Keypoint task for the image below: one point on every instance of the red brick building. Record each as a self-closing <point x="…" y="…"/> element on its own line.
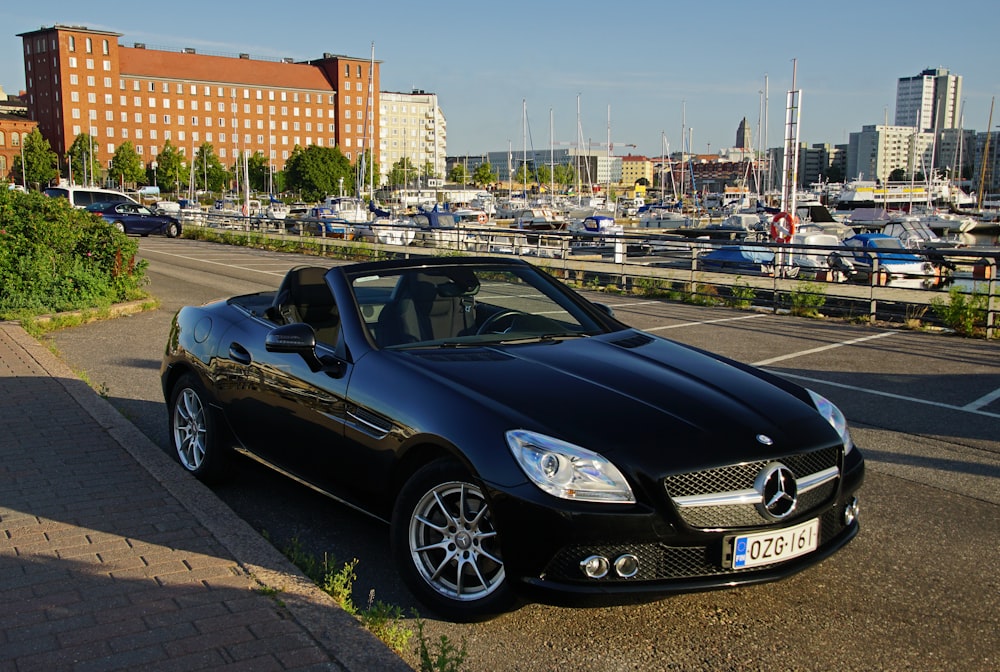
<point x="14" y="128"/>
<point x="83" y="81"/>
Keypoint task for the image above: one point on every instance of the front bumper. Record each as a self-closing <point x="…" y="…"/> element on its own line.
<point x="661" y="554"/>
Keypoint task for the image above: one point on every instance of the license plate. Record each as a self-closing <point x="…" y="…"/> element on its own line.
<point x="765" y="548"/>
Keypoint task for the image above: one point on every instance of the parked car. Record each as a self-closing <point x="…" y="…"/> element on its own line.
<point x="513" y="434"/>
<point x="84" y="197"/>
<point x="138" y="219"/>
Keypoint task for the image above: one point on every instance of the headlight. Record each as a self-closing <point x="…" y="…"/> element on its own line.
<point x="833" y="415"/>
<point x="568" y="471"/>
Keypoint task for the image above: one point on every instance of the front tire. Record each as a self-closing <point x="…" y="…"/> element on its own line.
<point x="446" y="546"/>
<point x="193" y="433"/>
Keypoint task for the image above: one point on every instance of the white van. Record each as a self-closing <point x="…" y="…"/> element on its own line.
<point x="81" y="197"/>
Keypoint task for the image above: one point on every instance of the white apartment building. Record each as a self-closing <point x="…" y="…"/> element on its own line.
<point x="878" y="150"/>
<point x="930" y="101"/>
<point x="412" y="126"/>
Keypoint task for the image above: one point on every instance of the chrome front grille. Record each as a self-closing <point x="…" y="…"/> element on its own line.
<point x="726" y="497"/>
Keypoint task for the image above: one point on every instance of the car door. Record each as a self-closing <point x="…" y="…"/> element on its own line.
<point x="284" y="412"/>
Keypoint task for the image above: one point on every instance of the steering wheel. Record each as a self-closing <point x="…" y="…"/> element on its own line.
<point x="496" y="317"/>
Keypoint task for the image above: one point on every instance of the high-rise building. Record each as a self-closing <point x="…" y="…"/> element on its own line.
<point x="81" y="80"/>
<point x="743" y="135"/>
<point x="413" y="127"/>
<point x="930" y="101"/>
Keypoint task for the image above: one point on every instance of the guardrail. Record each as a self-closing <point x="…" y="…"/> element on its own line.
<point x="893" y="285"/>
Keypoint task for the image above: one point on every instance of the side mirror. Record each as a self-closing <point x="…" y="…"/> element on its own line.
<point x="605" y="308"/>
<point x="300" y="338"/>
<point x="297" y="337"/>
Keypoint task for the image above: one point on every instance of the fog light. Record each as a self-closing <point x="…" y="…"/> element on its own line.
<point x="627" y="566"/>
<point x="851" y="511"/>
<point x="596" y="566"/>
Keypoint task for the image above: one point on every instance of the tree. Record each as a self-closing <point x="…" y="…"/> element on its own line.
<point x="565" y="175"/>
<point x="457" y="174"/>
<point x="170" y="169"/>
<point x="834" y="174"/>
<point x="402" y="172"/>
<point x="427" y="170"/>
<point x="84" y="165"/>
<point x="898" y="175"/>
<point x="208" y="170"/>
<point x="524" y="174"/>
<point x="40" y="163"/>
<point x="483" y="175"/>
<point x="259" y="169"/>
<point x="368" y="172"/>
<point x="544" y="174"/>
<point x="318" y="171"/>
<point x="125" y="165"/>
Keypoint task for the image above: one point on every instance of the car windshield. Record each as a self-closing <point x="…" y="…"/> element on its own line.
<point x="463" y="305"/>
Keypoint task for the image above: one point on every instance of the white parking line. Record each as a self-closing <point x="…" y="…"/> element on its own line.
<point x="890" y="395"/>
<point x="831" y="346"/>
<point x="206" y="260"/>
<point x="695" y="324"/>
<point x="982" y="401"/>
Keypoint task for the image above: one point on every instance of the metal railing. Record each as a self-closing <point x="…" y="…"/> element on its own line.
<point x="889" y="285"/>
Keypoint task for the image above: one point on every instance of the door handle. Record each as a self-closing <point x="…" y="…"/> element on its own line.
<point x="239" y="354"/>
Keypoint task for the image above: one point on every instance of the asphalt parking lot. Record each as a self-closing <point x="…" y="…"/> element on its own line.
<point x="916" y="590"/>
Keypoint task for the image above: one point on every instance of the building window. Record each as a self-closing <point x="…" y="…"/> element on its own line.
<point x="72" y="61"/>
<point x="138" y="117"/>
<point x="90" y="46"/>
<point x="347" y="69"/>
<point x="108" y="100"/>
<point x="74" y="96"/>
<point x="105" y="48"/>
<point x="107" y="65"/>
<point x="107" y="82"/>
<point x="72" y="43"/>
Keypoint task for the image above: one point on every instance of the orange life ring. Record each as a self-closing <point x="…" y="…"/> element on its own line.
<point x="481" y="218"/>
<point x="783" y="227"/>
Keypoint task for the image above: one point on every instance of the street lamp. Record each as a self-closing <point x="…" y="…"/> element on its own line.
<point x="153" y="166"/>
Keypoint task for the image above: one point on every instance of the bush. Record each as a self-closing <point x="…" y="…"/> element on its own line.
<point x="56" y="258"/>
<point x="807" y="299"/>
<point x="965" y="313"/>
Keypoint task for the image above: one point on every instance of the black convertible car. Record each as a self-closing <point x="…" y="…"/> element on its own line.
<point x="513" y="434"/>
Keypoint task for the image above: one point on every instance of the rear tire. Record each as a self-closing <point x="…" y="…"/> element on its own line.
<point x="192" y="430"/>
<point x="445" y="544"/>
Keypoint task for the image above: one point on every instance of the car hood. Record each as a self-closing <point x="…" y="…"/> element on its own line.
<point x="635" y="396"/>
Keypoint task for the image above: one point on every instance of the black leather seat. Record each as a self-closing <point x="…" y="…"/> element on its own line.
<point x="428" y="307"/>
<point x="304" y="296"/>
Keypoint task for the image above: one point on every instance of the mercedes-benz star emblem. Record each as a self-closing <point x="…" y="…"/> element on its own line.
<point x="778" y="491"/>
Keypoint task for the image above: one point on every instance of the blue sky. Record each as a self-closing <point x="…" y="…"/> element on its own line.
<point x="646" y="62"/>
